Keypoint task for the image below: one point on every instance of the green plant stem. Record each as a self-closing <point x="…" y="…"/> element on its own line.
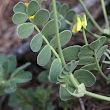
<point x="90" y="33"/>
<point x="91" y="18"/>
<point x="57" y="33"/>
<point x="98" y="96"/>
<point x="73" y="80"/>
<point x="84" y="35"/>
<point x="53" y="50"/>
<point x="98" y="67"/>
<point x="105" y="14"/>
<point x="24" y="96"/>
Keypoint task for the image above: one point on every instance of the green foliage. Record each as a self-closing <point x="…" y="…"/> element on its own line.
<point x="43" y="76"/>
<point x="19" y="18"/>
<point x="32" y="7"/>
<point x="86" y="60"/>
<point x="49" y="28"/>
<point x="64" y="95"/>
<point x="84" y="76"/>
<point x="20" y="102"/>
<point x="36" y="42"/>
<point x="10" y="75"/>
<point x="71" y="53"/>
<point x="44" y="56"/>
<point x="65" y="36"/>
<point x="69" y="15"/>
<point x="55" y="70"/>
<point x="64" y="7"/>
<point x="94" y="44"/>
<point x="25" y="30"/>
<point x="41" y="17"/>
<point x="89" y="67"/>
<point x="19" y="7"/>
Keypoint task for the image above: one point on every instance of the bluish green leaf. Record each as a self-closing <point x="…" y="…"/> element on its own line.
<point x="71" y="53"/>
<point x="85" y="76"/>
<point x="64" y="95"/>
<point x="86" y="51"/>
<point x="3" y="59"/>
<point x="43" y="76"/>
<point x="44" y="56"/>
<point x="101" y="51"/>
<point x="89" y="67"/>
<point x="19" y="69"/>
<point x="63" y="8"/>
<point x="102" y="41"/>
<point x="71" y="66"/>
<point x="65" y="36"/>
<point x="19" y="7"/>
<point x="49" y="28"/>
<point x="22" y="77"/>
<point x="10" y="87"/>
<point x="55" y="70"/>
<point x="69" y="15"/>
<point x="12" y="64"/>
<point x="86" y="60"/>
<point x="19" y="18"/>
<point x="63" y="23"/>
<point x="89" y="24"/>
<point x="41" y="17"/>
<point x="25" y="30"/>
<point x="36" y="42"/>
<point x="94" y="45"/>
<point x="32" y="7"/>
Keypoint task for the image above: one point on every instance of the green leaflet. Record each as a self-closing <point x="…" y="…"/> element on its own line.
<point x="36" y="42"/>
<point x="65" y="36"/>
<point x="19" y="7"/>
<point x="63" y="8"/>
<point x="19" y="18"/>
<point x="41" y="17"/>
<point x="49" y="28"/>
<point x="85" y="76"/>
<point x="25" y="30"/>
<point x="44" y="56"/>
<point x="55" y="70"/>
<point x="71" y="53"/>
<point x="32" y="7"/>
<point x="69" y="15"/>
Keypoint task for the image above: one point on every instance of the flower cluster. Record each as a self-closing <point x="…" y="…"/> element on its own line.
<point x="80" y="21"/>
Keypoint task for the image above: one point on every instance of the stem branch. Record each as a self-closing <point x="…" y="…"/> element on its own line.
<point x="98" y="96"/>
<point x="105" y="13"/>
<point x="84" y="35"/>
<point x="98" y="67"/>
<point x="53" y="50"/>
<point x="57" y="33"/>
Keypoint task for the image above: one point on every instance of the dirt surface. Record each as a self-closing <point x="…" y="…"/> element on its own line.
<point x="10" y="42"/>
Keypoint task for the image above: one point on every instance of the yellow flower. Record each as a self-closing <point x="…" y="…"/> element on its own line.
<point x="80" y="21"/>
<point x="30" y="16"/>
<point x="26" y="4"/>
<point x="77" y="27"/>
<point x="83" y="20"/>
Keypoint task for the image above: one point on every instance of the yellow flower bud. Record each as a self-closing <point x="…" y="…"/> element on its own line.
<point x="26" y="4"/>
<point x="83" y="20"/>
<point x="32" y="17"/>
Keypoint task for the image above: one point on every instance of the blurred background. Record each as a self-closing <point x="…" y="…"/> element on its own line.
<point x="11" y="44"/>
